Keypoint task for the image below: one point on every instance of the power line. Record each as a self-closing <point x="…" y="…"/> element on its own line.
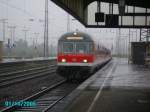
<point x="4" y="25"/>
<point x="68" y="23"/>
<point x="17" y="8"/>
<point x="46" y="30"/>
<point x="12" y="33"/>
<point x="36" y="38"/>
<point x="25" y="34"/>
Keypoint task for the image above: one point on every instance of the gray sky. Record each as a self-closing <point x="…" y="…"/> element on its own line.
<point x="19" y="12"/>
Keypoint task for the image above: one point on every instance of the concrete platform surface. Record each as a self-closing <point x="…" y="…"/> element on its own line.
<point x="118" y="87"/>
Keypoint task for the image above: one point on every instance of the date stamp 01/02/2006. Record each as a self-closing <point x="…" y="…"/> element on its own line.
<point x="20" y="103"/>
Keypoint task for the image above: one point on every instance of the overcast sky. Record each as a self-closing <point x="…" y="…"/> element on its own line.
<point x="20" y="12"/>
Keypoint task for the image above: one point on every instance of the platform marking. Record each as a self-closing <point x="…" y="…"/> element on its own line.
<point x="101" y="88"/>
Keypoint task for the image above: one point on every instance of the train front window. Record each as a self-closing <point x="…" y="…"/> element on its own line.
<point x="81" y="48"/>
<point x="91" y="48"/>
<point x="68" y="47"/>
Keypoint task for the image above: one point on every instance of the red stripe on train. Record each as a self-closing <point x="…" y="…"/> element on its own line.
<point x="76" y="57"/>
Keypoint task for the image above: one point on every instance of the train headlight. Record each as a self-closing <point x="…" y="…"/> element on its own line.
<point x="63" y="60"/>
<point x="85" y="61"/>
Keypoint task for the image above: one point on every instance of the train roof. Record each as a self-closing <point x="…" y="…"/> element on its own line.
<point x="76" y="36"/>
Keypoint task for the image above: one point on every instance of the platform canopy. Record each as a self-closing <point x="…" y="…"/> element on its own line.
<point x="109" y="13"/>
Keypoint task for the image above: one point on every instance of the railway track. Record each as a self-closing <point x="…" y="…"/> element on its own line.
<point x="45" y="99"/>
<point x="17" y="66"/>
<point x="21" y="67"/>
<point x="13" y="73"/>
<point x="20" y="76"/>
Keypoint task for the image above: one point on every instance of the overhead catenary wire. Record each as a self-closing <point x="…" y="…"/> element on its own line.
<point x="17" y="8"/>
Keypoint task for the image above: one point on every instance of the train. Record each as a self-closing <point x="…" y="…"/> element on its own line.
<point x="79" y="56"/>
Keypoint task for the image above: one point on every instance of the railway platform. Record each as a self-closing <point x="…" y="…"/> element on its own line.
<point x="118" y="87"/>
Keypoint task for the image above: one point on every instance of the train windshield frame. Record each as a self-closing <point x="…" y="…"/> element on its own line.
<point x="77" y="47"/>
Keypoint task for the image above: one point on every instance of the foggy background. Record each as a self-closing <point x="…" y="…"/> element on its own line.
<point x="27" y="16"/>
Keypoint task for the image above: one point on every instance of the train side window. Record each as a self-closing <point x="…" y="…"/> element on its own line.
<point x="68" y="47"/>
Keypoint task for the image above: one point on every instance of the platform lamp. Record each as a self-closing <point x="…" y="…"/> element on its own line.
<point x="121" y="6"/>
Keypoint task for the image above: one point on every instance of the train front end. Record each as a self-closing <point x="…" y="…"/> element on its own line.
<point x="75" y="55"/>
